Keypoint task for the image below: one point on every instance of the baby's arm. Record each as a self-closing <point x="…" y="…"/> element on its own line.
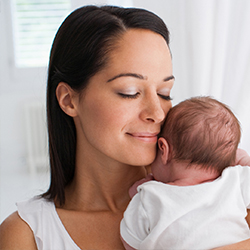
<point x="134" y="226"/>
<point x="242" y="158"/>
<point x="133" y="189"/>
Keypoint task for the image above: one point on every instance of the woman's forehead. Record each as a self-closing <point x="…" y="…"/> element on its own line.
<point x="140" y="52"/>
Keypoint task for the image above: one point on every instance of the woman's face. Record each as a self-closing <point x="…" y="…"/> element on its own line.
<point x="124" y="105"/>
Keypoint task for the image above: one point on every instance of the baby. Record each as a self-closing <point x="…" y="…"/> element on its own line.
<point x="193" y="200"/>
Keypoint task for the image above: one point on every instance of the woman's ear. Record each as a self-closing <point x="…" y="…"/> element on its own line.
<point x="66" y="98"/>
<point x="164" y="150"/>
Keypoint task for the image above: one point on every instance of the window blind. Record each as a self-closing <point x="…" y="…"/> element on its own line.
<point x="35" y="23"/>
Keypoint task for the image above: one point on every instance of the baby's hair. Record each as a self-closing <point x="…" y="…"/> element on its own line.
<point x="202" y="131"/>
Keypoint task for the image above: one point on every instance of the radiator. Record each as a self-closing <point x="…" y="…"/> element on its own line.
<point x="36" y="137"/>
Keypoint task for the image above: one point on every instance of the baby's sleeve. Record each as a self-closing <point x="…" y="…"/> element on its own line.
<point x="134" y="226"/>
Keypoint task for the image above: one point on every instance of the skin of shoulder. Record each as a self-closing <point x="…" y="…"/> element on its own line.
<point x="16" y="234"/>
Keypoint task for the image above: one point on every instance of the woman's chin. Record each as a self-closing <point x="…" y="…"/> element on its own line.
<point x="143" y="160"/>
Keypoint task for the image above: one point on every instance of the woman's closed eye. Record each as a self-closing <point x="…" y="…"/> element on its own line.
<point x="134" y="96"/>
<point x="165" y="97"/>
<point x="131" y="96"/>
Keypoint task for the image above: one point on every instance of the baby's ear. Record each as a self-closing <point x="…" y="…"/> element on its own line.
<point x="164" y="150"/>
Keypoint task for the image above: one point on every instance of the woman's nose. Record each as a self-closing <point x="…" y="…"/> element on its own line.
<point x="153" y="110"/>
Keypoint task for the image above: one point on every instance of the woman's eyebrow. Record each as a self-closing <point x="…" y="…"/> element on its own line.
<point x="139" y="76"/>
<point x="168" y="78"/>
<point x="128" y="74"/>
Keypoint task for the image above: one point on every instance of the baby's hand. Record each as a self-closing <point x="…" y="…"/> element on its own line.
<point x="133" y="189"/>
<point x="242" y="158"/>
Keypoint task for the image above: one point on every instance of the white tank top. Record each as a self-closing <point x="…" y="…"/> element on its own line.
<point x="49" y="232"/>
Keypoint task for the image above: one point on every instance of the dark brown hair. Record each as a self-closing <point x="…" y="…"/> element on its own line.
<point x="203" y="131"/>
<point x="80" y="49"/>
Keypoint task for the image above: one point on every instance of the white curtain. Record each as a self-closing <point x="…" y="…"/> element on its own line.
<point x="210" y="44"/>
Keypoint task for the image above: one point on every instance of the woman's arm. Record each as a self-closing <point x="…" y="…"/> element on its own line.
<point x="15" y="234"/>
<point x="243" y="245"/>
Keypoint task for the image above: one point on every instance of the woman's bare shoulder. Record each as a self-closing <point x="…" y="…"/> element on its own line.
<point x="16" y="234"/>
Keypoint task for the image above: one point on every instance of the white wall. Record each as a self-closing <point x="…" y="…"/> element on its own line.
<point x="16" y="88"/>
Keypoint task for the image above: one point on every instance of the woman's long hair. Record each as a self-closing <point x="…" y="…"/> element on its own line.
<point x="80" y="50"/>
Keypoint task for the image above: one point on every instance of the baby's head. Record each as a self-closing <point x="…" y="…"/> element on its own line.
<point x="202" y="131"/>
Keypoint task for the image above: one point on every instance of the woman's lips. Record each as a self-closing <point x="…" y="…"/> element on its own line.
<point x="145" y="136"/>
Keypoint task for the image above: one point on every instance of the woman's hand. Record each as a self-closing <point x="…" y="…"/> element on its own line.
<point x="242" y="158"/>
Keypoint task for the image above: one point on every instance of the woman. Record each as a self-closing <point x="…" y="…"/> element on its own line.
<point x="109" y="83"/>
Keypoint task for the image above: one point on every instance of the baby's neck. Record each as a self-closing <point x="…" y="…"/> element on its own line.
<point x="191" y="175"/>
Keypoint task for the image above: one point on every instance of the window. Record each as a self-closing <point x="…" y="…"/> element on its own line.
<point x="35" y="23"/>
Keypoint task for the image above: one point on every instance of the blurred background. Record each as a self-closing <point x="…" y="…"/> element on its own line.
<point x="210" y="45"/>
